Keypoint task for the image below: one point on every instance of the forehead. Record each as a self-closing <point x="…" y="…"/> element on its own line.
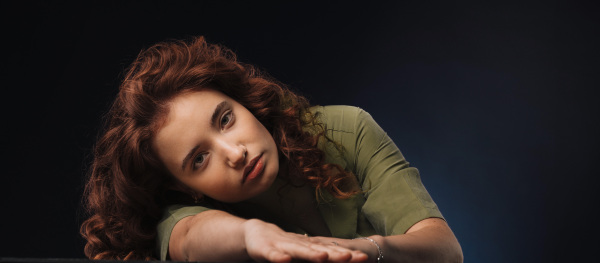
<point x="186" y="104"/>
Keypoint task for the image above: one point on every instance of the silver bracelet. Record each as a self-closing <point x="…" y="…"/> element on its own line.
<point x="380" y="257"/>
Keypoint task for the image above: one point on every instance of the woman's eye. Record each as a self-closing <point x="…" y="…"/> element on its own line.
<point x="226" y="119"/>
<point x="199" y="160"/>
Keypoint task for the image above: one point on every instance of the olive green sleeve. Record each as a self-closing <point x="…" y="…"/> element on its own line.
<point x="395" y="196"/>
<point x="172" y="215"/>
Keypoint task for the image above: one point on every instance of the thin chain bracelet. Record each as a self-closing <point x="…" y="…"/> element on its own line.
<point x="380" y="257"/>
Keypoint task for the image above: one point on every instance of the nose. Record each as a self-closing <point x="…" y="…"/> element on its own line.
<point x="235" y="154"/>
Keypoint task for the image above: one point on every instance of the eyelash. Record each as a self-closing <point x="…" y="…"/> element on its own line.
<point x="229" y="121"/>
<point x="196" y="158"/>
<point x="227" y="114"/>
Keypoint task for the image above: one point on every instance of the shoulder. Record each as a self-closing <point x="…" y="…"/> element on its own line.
<point x="346" y="120"/>
<point x="344" y="129"/>
<point x="336" y="110"/>
<point x="341" y="118"/>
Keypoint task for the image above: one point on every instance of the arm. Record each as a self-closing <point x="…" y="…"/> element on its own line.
<point x="390" y="180"/>
<point x="429" y="240"/>
<point x="397" y="204"/>
<point x="218" y="236"/>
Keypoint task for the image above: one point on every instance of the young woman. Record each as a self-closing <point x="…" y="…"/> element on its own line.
<point x="204" y="158"/>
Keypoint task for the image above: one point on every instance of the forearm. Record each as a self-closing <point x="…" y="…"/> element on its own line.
<point x="433" y="242"/>
<point x="210" y="235"/>
<point x="430" y="240"/>
<point x="423" y="246"/>
<point x="218" y="236"/>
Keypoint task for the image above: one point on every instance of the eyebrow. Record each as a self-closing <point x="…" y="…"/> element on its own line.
<point x="213" y="120"/>
<point x="218" y="110"/>
<point x="188" y="157"/>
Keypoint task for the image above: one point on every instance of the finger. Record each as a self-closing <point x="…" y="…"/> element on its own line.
<point x="277" y="256"/>
<point x="341" y="244"/>
<point x="354" y="255"/>
<point x="303" y="250"/>
<point x="334" y="253"/>
<point x="358" y="256"/>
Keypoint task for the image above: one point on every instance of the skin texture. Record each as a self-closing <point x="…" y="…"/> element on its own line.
<point x="222" y="150"/>
<point x="430" y="240"/>
<point x="197" y="238"/>
<point x="222" y="153"/>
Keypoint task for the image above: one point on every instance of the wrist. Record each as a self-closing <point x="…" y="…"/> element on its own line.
<point x="249" y="227"/>
<point x="376" y="252"/>
<point x="249" y="230"/>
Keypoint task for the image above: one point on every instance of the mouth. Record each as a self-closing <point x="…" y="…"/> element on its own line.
<point x="253" y="169"/>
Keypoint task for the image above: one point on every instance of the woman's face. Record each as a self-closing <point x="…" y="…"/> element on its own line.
<point x="215" y="146"/>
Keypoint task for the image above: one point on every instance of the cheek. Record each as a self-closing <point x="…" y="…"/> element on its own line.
<point x="266" y="136"/>
<point x="261" y="129"/>
<point x="208" y="186"/>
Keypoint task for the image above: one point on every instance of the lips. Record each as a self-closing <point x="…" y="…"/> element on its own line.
<point x="253" y="169"/>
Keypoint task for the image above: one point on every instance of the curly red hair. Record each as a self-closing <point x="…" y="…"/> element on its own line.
<point x="127" y="186"/>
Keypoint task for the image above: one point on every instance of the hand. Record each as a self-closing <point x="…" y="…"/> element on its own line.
<point x="367" y="247"/>
<point x="265" y="241"/>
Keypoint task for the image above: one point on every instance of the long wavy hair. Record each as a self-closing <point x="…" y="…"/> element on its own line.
<point x="127" y="186"/>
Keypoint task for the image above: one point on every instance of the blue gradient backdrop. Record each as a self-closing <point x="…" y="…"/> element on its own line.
<point x="495" y="103"/>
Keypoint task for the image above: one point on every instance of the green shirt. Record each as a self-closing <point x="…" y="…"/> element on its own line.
<point x="393" y="197"/>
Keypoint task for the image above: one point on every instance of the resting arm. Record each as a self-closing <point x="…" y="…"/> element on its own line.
<point x="429" y="240"/>
<point x="218" y="236"/>
<point x="186" y="238"/>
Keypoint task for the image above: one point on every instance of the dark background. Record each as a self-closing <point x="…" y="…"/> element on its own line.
<point x="495" y="103"/>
